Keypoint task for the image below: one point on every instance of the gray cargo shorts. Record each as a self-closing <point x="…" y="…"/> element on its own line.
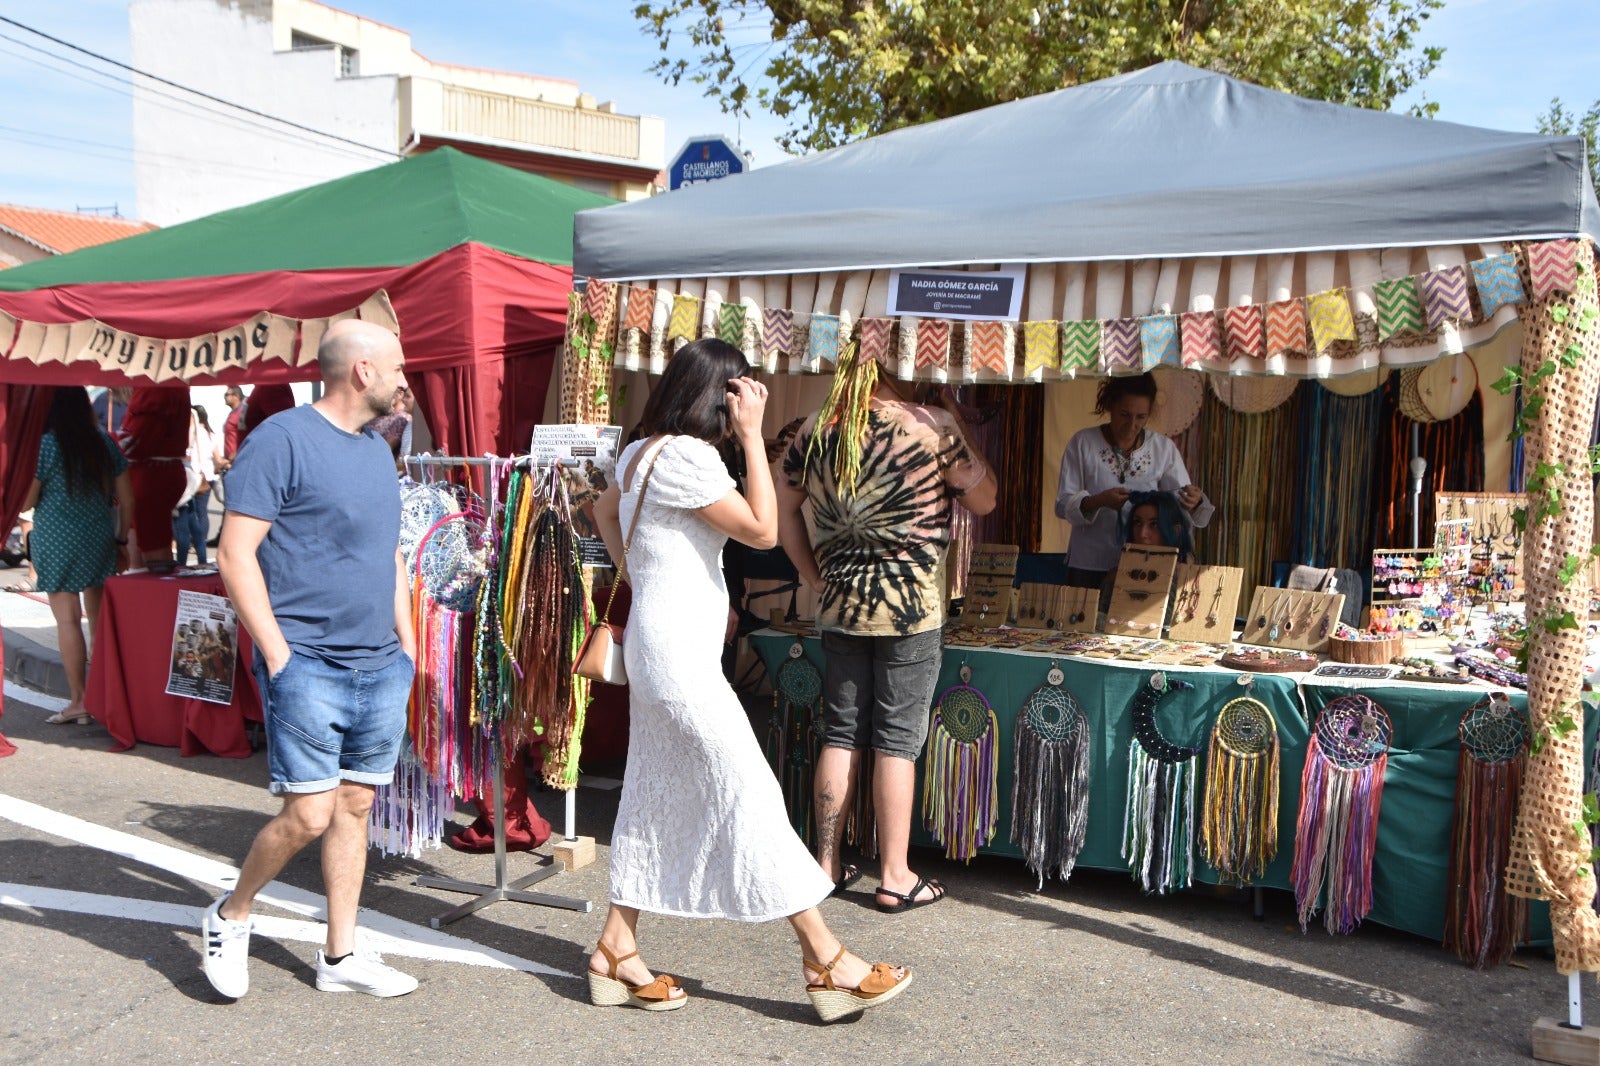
<point x="878" y="691"/>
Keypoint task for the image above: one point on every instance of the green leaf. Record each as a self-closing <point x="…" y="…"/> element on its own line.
<point x="1571" y="356"/>
<point x="1559" y="313"/>
<point x="1570" y="568"/>
<point x="1508" y="381"/>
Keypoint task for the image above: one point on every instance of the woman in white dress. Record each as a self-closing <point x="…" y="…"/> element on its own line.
<point x="701" y="829"/>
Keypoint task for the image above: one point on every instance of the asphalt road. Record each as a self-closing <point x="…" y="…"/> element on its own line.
<point x="100" y="959"/>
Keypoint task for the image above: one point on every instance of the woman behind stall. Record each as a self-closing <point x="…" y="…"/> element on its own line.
<point x="82" y="500"/>
<point x="1104" y="465"/>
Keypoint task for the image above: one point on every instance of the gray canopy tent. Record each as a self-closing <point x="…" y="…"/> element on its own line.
<point x="1165" y="194"/>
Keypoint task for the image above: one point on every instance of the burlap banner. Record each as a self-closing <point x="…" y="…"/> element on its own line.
<point x="263" y="336"/>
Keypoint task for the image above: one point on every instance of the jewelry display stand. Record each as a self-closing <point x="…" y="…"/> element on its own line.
<point x="1138" y="605"/>
<point x="502" y="889"/>
<point x="991" y="598"/>
<point x="1204" y="600"/>
<point x="1082" y="607"/>
<point x="1291" y="619"/>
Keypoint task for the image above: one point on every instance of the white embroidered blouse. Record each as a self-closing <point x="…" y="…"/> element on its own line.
<point x="1090" y="466"/>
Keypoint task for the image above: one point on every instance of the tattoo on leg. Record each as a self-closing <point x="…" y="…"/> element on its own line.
<point x="828" y="811"/>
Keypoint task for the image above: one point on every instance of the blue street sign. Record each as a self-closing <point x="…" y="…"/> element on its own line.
<point x="704" y="159"/>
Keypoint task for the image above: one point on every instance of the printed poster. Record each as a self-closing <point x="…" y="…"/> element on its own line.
<point x="204" y="648"/>
<point x="588" y="457"/>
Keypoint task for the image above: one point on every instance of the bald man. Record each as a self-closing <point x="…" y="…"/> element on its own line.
<point x="310" y="554"/>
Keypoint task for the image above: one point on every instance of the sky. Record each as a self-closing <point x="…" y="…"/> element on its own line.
<point x="65" y="137"/>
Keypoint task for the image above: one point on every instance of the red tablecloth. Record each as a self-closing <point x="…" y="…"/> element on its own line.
<point x="128" y="675"/>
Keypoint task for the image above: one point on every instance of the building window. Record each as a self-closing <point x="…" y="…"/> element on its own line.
<point x="349" y="62"/>
<point x="301" y="41"/>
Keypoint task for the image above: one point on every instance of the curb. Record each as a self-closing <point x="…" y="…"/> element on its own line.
<point x="36" y="666"/>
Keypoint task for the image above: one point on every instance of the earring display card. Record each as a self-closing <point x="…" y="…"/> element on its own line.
<point x="1203" y="601"/>
<point x="1051" y="607"/>
<point x="1139" y="595"/>
<point x="1289" y="618"/>
<point x="991" y="599"/>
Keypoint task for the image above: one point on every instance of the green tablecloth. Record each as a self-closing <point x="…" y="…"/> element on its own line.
<point x="1413" y="847"/>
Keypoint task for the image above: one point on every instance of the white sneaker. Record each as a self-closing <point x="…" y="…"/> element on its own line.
<point x="227" y="951"/>
<point x="364" y="971"/>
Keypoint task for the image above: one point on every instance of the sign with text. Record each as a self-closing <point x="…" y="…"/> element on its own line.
<point x="971" y="295"/>
<point x="588" y="458"/>
<point x="205" y="639"/>
<point x="703" y="159"/>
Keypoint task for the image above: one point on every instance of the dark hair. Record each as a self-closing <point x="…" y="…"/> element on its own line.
<point x="1169" y="519"/>
<point x="85" y="453"/>
<point x="234" y="388"/>
<point x="692" y="396"/>
<point x="1114" y="389"/>
<point x="200" y="413"/>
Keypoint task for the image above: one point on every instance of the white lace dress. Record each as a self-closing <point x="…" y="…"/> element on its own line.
<point x="701" y="829"/>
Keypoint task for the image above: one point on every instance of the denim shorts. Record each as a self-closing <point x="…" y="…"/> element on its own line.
<point x="878" y="691"/>
<point x="327" y="723"/>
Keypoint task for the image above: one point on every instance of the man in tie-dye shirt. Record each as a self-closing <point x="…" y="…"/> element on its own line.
<point x="880" y="505"/>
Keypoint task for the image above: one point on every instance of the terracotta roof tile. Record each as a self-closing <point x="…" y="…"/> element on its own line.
<point x="65" y="231"/>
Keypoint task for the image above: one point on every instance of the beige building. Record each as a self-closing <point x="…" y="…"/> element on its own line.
<point x="359" y="95"/>
<point x="30" y="233"/>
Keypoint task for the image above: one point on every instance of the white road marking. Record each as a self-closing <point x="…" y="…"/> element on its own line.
<point x="24" y="694"/>
<point x="381" y="932"/>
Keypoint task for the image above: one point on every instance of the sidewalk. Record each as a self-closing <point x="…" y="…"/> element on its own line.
<point x="33" y="655"/>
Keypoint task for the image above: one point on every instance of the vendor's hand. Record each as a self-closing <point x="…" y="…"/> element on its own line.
<point x="747" y="404"/>
<point x="1190" y="496"/>
<point x="1110" y="498"/>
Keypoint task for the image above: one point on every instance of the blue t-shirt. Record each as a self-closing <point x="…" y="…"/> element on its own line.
<point x="329" y="559"/>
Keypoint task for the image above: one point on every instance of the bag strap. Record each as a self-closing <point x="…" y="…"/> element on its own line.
<point x="622" y="567"/>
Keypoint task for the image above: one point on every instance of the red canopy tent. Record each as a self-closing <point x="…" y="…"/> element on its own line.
<point x="474" y="259"/>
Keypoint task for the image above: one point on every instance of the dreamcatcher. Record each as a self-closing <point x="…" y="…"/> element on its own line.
<point x="1158" y="819"/>
<point x="1483" y="924"/>
<point x="791" y="741"/>
<point x="1340" y="794"/>
<point x="1239" y="818"/>
<point x="1050" y="780"/>
<point x="423" y="505"/>
<point x="960" y="795"/>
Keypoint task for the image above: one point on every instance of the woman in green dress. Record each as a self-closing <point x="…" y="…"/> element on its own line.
<point x="82" y="505"/>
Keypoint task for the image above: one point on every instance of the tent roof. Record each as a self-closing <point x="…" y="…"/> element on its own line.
<point x="1166" y="161"/>
<point x="394" y="215"/>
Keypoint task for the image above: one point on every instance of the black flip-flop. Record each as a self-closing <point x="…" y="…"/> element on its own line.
<point x="852" y="874"/>
<point x="909" y="900"/>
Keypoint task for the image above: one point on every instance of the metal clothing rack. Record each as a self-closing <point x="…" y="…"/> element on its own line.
<point x="502" y="889"/>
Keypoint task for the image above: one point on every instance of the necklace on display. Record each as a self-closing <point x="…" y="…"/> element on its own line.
<point x="1277" y="619"/>
<point x="1216" y="602"/>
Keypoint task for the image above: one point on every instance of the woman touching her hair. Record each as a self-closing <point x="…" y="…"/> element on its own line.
<point x="701" y="829"/>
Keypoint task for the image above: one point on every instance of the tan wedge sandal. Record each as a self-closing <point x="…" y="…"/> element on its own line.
<point x="833" y="1002"/>
<point x="608" y="990"/>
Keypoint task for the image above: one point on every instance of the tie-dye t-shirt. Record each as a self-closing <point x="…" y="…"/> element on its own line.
<point x="882" y="549"/>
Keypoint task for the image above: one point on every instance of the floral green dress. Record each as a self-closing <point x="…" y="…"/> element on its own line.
<point x="73" y="542"/>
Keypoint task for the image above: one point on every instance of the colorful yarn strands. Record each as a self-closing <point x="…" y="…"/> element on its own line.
<point x="847" y="408"/>
<point x="960" y="792"/>
<point x="410" y="813"/>
<point x="1158" y="819"/>
<point x="547" y="597"/>
<point x="1483" y="923"/>
<point x="791" y="742"/>
<point x="1337" y="829"/>
<point x="1239" y="819"/>
<point x="1050" y="780"/>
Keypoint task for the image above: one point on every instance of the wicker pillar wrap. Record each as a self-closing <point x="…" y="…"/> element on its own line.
<point x="586" y="378"/>
<point x="1548" y="860"/>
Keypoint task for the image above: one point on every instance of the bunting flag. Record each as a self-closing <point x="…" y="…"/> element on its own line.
<point x="1331" y="319"/>
<point x="989" y="346"/>
<point x="823" y="341"/>
<point x="1497" y="282"/>
<point x="933" y="343"/>
<point x="641" y="302"/>
<point x="1553" y="266"/>
<point x="1041" y="345"/>
<point x="1286" y="327"/>
<point x="1247" y="334"/>
<point x="1399" y="309"/>
<point x="1080" y="345"/>
<point x="873" y="335"/>
<point x="1201" y="337"/>
<point x="597" y="303"/>
<point x="1119" y="346"/>
<point x="730" y="324"/>
<point x="777" y="331"/>
<point x="685" y="322"/>
<point x="1444" y="296"/>
<point x="1158" y="337"/>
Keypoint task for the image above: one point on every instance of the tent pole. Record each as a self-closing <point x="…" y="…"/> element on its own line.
<point x="1419" y="468"/>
